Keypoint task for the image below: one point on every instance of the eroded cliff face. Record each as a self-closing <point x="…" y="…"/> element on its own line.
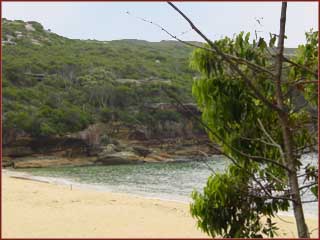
<point x="101" y="144"/>
<point x="24" y="149"/>
<point x="164" y="130"/>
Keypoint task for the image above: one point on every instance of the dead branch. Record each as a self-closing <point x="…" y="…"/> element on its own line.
<point x="308" y="185"/>
<point x="252" y="65"/>
<point x="232" y="65"/>
<point x="310" y="201"/>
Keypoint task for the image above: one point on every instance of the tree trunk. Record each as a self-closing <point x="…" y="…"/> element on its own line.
<point x="302" y="227"/>
<point x="287" y="135"/>
<point x="280" y="108"/>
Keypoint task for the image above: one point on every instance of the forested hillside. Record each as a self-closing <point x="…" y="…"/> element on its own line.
<point x="53" y="85"/>
<point x="71" y="97"/>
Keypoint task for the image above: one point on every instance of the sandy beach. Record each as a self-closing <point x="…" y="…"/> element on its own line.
<point x="40" y="210"/>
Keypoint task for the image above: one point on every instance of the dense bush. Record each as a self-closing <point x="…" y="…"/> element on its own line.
<point x="62" y="85"/>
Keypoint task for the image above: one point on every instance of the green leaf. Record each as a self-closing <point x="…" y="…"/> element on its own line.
<point x="272" y="41"/>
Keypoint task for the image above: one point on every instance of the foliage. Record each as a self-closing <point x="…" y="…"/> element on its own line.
<point x="232" y="205"/>
<point x="307" y="55"/>
<point x="227" y="104"/>
<point x="226" y="207"/>
<point x="53" y="85"/>
<point x="106" y="115"/>
<point x="167" y="115"/>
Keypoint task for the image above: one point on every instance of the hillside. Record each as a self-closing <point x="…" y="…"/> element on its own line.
<point x="45" y="74"/>
<point x="55" y="87"/>
<point x="84" y="98"/>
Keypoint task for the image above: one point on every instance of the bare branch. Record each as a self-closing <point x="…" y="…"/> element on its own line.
<point x="315" y="74"/>
<point x="308" y="185"/>
<point x="257" y="158"/>
<point x="275" y="178"/>
<point x="269" y="196"/>
<point x="252" y="65"/>
<point x="271" y="139"/>
<point x="269" y="193"/>
<point x="232" y="65"/>
<point x="305" y="174"/>
<point x="306" y="82"/>
<point x="191" y="24"/>
<point x="310" y="201"/>
<point x="208" y="166"/>
<point x="259" y="140"/>
<point x="304" y="192"/>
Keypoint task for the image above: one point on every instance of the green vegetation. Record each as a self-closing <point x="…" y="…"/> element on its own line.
<point x="261" y="180"/>
<point x="53" y="85"/>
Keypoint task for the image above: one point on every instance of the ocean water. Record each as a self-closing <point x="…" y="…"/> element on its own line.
<point x="172" y="180"/>
<point x="169" y="181"/>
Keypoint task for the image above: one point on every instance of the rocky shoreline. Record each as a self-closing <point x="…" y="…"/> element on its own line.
<point x="70" y="151"/>
<point x="113" y="142"/>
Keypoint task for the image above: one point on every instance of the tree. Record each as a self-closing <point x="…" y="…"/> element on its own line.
<point x="260" y="107"/>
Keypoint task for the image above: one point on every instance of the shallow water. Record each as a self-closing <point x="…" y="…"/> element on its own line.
<point x="174" y="180"/>
<point x="170" y="181"/>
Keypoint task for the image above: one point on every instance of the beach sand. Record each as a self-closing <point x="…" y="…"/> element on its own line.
<point x="42" y="210"/>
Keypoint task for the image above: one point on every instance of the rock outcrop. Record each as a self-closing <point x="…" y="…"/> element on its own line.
<point x="166" y="141"/>
<point x="124" y="157"/>
<point x="51" y="161"/>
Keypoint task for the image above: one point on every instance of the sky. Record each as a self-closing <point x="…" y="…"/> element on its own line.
<point x="109" y="21"/>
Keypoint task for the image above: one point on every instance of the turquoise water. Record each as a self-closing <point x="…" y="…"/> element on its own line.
<point x="171" y="181"/>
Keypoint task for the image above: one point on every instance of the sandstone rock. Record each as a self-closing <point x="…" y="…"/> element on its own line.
<point x="139" y="134"/>
<point x="119" y="158"/>
<point x="17" y="151"/>
<point x="107" y="150"/>
<point x="110" y="148"/>
<point x="91" y="135"/>
<point x="29" y="27"/>
<point x="141" y="151"/>
<point x="7" y="162"/>
<point x="51" y="161"/>
<point x="158" y="158"/>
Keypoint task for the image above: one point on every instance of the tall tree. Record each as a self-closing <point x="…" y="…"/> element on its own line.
<point x="260" y="107"/>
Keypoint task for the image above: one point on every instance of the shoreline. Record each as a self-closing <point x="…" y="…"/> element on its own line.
<point x="41" y="210"/>
<point x="91" y="187"/>
<point x="80" y="186"/>
<point x="33" y="208"/>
